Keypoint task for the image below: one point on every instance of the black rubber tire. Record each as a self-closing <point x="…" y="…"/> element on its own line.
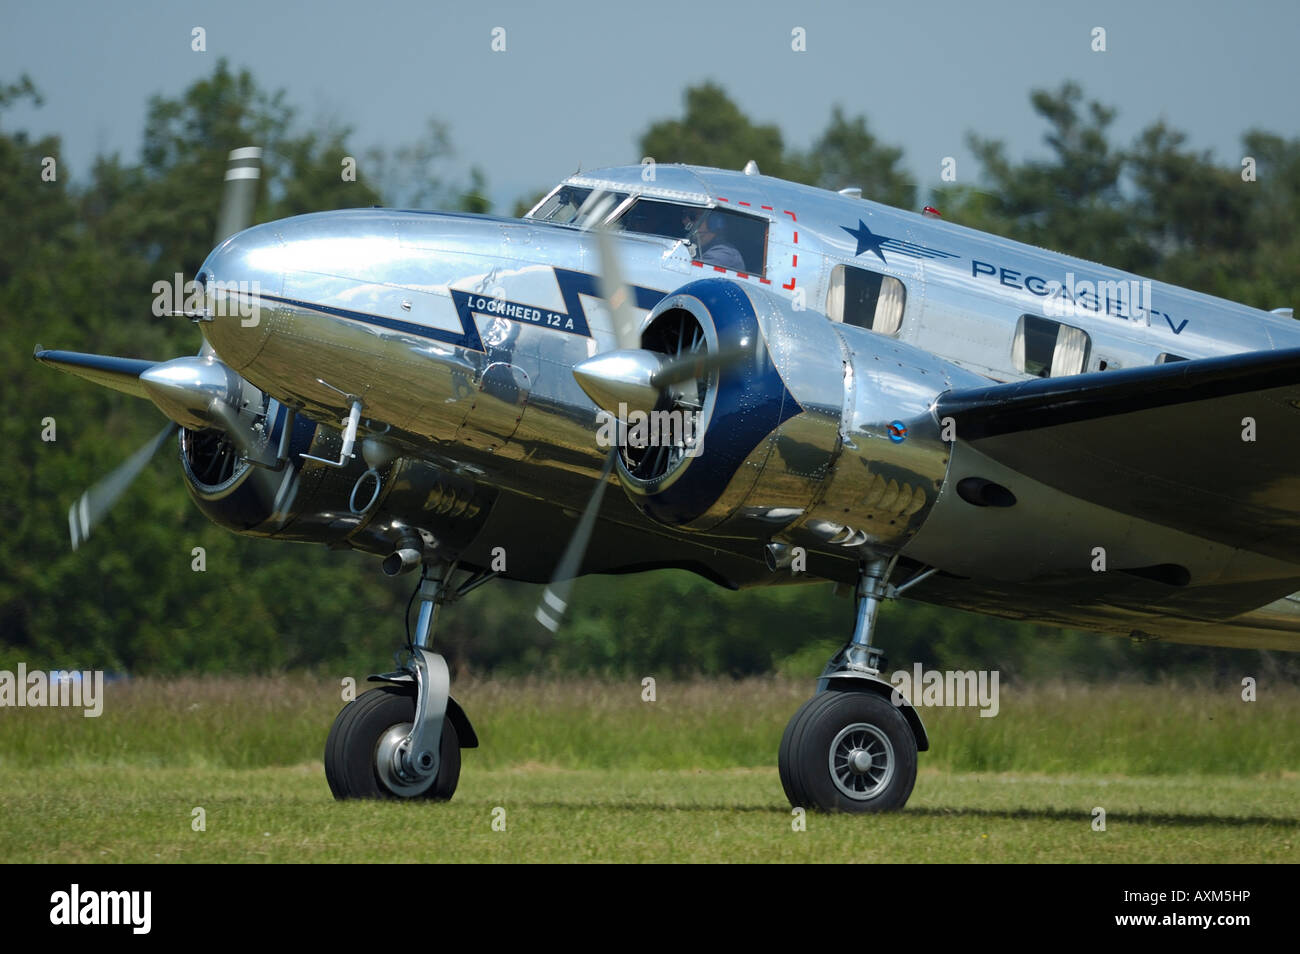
<point x="790" y="781"/>
<point x="350" y="747"/>
<point x="804" y="756"/>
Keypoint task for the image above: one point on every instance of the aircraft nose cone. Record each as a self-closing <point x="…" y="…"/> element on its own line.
<point x="621" y="381"/>
<point x="235" y="277"/>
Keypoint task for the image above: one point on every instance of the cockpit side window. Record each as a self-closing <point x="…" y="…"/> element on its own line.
<point x="665" y="219"/>
<point x="716" y="236"/>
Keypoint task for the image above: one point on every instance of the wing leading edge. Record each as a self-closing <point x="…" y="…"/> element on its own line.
<point x="120" y="374"/>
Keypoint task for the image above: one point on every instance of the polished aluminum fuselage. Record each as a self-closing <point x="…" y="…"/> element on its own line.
<point x="459" y="334"/>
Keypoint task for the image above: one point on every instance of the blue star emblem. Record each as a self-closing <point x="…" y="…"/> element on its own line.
<point x="867" y="240"/>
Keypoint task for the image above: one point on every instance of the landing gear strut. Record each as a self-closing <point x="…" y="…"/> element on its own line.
<point x="852" y="747"/>
<point x="403" y="739"/>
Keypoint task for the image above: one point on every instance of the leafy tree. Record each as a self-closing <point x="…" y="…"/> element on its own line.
<point x="413" y="175"/>
<point x="848" y="154"/>
<point x="76" y="271"/>
<point x="524" y="205"/>
<point x="1071" y="202"/>
<point x="1156" y="207"/>
<point x="714" y="132"/>
<point x="1265" y="271"/>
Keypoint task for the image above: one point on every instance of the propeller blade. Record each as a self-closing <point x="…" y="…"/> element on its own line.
<point x="628" y="375"/>
<point x="698" y="364"/>
<point x="622" y="316"/>
<point x="555" y="598"/>
<point x="243" y="170"/>
<point x="91" y="507"/>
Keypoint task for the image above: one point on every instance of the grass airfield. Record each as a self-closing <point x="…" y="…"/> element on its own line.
<point x="584" y="770"/>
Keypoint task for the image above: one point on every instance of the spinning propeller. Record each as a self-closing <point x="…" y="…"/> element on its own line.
<point x="622" y="380"/>
<point x="164" y="383"/>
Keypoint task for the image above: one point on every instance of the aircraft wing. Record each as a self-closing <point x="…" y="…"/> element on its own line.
<point x="1165" y="443"/>
<point x="120" y="374"/>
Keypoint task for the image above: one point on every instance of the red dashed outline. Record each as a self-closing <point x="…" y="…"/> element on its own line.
<point x="794" y="258"/>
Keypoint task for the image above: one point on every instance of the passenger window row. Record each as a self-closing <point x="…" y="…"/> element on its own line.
<point x="1041" y="346"/>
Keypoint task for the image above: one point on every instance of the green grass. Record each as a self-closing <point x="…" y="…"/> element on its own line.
<point x="261" y="722"/>
<point x="285" y="814"/>
<point x="587" y="771"/>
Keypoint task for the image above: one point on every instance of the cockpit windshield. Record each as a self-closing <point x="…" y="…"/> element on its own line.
<point x="570" y="205"/>
<point x="714" y="236"/>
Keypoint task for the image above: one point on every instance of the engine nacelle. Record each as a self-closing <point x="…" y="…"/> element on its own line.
<point x="388" y="505"/>
<point x="825" y="438"/>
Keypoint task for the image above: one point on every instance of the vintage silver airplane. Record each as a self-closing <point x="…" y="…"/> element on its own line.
<point x="787" y="385"/>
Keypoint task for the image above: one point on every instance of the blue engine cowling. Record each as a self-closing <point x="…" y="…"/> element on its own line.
<point x="822" y="436"/>
<point x="739" y="407"/>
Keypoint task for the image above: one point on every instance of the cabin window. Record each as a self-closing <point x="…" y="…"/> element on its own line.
<point x="1049" y="349"/>
<point x="865" y="298"/>
<point x="719" y="237"/>
<point x="1165" y="357"/>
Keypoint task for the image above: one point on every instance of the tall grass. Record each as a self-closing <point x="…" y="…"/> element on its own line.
<point x="252" y="722"/>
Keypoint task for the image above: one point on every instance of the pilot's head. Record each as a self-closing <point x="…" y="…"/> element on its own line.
<point x="573" y="197"/>
<point x="709" y="227"/>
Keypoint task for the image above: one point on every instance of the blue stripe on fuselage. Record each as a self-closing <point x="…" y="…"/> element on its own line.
<point x="572" y="321"/>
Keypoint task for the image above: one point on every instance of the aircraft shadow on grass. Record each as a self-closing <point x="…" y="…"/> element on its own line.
<point x="1008" y="814"/>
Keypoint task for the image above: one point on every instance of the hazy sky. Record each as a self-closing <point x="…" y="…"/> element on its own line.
<point x="579" y="81"/>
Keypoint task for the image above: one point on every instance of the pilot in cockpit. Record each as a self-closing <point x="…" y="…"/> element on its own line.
<point x="708" y="234"/>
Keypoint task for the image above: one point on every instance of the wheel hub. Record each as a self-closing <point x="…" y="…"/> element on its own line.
<point x="861" y="761"/>
<point x="388" y="763"/>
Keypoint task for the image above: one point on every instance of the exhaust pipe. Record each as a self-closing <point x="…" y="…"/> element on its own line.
<point x="778" y="556"/>
<point x="407" y="556"/>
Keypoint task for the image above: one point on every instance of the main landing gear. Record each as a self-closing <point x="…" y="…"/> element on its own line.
<point x="852" y="747"/>
<point x="403" y="739"/>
